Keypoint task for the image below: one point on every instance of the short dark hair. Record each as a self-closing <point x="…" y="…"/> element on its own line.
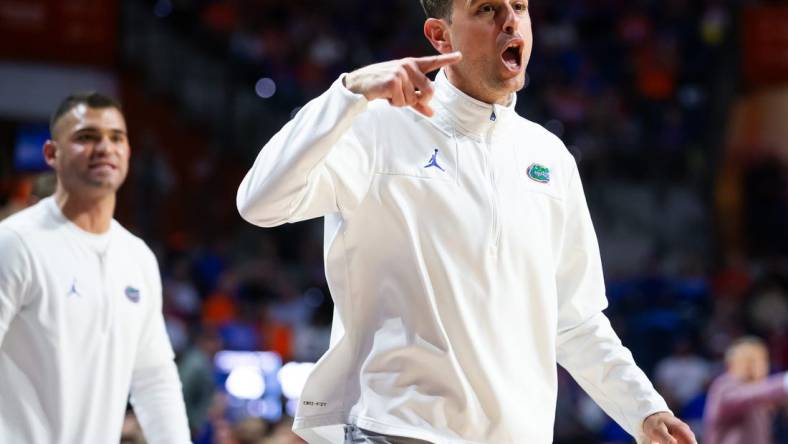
<point x="90" y="98"/>
<point x="744" y="340"/>
<point x="440" y="9"/>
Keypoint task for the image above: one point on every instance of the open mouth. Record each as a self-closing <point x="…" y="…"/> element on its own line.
<point x="512" y="55"/>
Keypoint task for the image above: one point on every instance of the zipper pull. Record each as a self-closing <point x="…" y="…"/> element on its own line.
<point x="492" y="116"/>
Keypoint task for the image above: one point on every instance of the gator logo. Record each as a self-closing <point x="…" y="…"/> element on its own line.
<point x="539" y="173"/>
<point x="132" y="294"/>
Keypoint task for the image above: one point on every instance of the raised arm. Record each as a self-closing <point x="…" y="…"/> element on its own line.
<point x="289" y="180"/>
<point x="321" y="162"/>
<point x="739" y="399"/>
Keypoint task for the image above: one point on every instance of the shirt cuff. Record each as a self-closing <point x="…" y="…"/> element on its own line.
<point x="347" y="92"/>
<point x="641" y="431"/>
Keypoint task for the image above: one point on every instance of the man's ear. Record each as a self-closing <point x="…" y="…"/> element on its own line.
<point x="437" y="32"/>
<point x="50" y="153"/>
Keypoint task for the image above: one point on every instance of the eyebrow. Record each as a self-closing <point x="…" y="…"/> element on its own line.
<point x="470" y="3"/>
<point x="94" y="129"/>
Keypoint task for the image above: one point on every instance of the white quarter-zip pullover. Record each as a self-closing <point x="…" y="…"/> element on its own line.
<point x="463" y="265"/>
<point x="80" y="327"/>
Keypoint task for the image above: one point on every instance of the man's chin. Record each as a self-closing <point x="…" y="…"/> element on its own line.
<point x="512" y="84"/>
<point x="102" y="186"/>
<point x="111" y="179"/>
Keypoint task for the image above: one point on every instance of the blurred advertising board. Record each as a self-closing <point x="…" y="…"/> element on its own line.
<point x="765" y="49"/>
<point x="71" y="31"/>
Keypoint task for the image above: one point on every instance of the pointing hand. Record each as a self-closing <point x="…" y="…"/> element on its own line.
<point x="402" y="82"/>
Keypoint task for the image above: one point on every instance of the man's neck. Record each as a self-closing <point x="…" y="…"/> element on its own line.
<point x="490" y="97"/>
<point x="93" y="214"/>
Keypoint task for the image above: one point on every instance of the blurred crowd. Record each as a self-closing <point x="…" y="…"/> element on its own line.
<point x="634" y="89"/>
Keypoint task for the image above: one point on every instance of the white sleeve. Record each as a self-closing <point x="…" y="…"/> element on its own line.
<point x="158" y="403"/>
<point x="15" y="273"/>
<point x="154" y="348"/>
<point x="587" y="346"/>
<point x="318" y="163"/>
<point x="156" y="392"/>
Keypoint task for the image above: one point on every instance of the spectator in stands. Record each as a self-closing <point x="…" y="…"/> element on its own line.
<point x="682" y="375"/>
<point x="197" y="377"/>
<point x="739" y="408"/>
<point x="27" y="192"/>
<point x="250" y="430"/>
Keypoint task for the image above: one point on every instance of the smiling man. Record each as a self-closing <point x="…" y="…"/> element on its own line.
<point x="80" y="300"/>
<point x="459" y="249"/>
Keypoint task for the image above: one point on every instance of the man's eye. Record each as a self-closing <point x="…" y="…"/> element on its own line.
<point x="521" y="7"/>
<point x="86" y="138"/>
<point x="486" y="9"/>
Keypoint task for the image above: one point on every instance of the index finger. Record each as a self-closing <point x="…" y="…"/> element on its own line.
<point x="661" y="435"/>
<point x="684" y="432"/>
<point x="431" y="63"/>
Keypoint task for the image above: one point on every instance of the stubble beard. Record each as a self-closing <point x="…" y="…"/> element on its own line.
<point x="100" y="186"/>
<point x="504" y="87"/>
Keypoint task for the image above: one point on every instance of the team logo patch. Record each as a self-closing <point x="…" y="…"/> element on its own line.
<point x="433" y="163"/>
<point x="132" y="293"/>
<point x="72" y="291"/>
<point x="539" y="173"/>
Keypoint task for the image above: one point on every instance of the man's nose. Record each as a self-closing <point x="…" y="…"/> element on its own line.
<point x="511" y="20"/>
<point x="104" y="145"/>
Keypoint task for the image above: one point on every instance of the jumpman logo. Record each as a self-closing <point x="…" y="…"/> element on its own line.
<point x="434" y="162"/>
<point x="73" y="290"/>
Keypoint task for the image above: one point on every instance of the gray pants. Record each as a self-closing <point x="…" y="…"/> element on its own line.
<point x="355" y="435"/>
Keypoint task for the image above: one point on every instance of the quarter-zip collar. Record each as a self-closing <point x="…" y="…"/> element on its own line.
<point x="458" y="111"/>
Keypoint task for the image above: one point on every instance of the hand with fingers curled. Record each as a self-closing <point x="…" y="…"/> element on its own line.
<point x="402" y="82"/>
<point x="664" y="428"/>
